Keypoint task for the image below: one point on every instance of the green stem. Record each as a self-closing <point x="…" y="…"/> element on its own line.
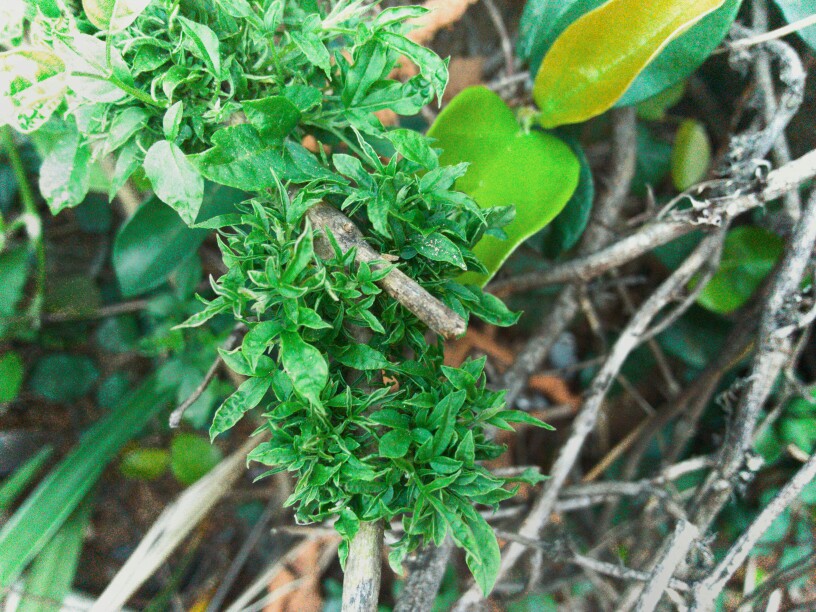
<point x="34" y="224"/>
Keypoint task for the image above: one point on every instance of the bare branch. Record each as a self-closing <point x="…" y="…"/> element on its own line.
<point x="361" y="582"/>
<point x="425" y="574"/>
<point x="397" y="284"/>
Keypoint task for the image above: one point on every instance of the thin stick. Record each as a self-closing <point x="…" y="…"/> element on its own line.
<point x="706" y="592"/>
<point x="801" y="24"/>
<point x="428" y="309"/>
<point x="673" y="555"/>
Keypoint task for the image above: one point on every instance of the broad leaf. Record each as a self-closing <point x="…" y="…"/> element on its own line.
<point x="748" y="256"/>
<point x="32" y="85"/>
<point x="594" y="61"/>
<point x="274" y="117"/>
<point x="155" y="241"/>
<point x="395" y="443"/>
<point x="204" y="45"/>
<point x="65" y="172"/>
<point x="305" y="365"/>
<point x="192" y="456"/>
<point x="63" y="377"/>
<point x="113" y="15"/>
<point x="174" y="179"/>
<point x="535" y="172"/>
<point x="245" y="398"/>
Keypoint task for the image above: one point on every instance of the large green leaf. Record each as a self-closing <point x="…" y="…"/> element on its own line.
<point x="794" y="10"/>
<point x="748" y="256"/>
<point x="58" y="495"/>
<point x="65" y="173"/>
<point x="682" y="56"/>
<point x="535" y="172"/>
<point x="593" y="62"/>
<point x="155" y="241"/>
<point x="62" y="377"/>
<point x="174" y="179"/>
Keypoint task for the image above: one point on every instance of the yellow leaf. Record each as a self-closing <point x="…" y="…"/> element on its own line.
<point x="593" y="62"/>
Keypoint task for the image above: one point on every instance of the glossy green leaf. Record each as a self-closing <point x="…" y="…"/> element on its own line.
<point x="305" y="365"/>
<point x="174" y="179"/>
<point x="395" y="444"/>
<point x="11" y="376"/>
<point x="684" y="55"/>
<point x="535" y="172"/>
<point x="113" y="15"/>
<point x="413" y="146"/>
<point x="192" y="456"/>
<point x="65" y="172"/>
<point x="52" y="573"/>
<point x="144" y="463"/>
<point x="204" y="45"/>
<point x="245" y="398"/>
<point x="155" y="241"/>
<point x="748" y="256"/>
<point x="566" y="229"/>
<point x="691" y="155"/>
<point x="274" y="117"/>
<point x="362" y="357"/>
<point x="13" y="486"/>
<point x="56" y="497"/>
<point x="63" y="377"/>
<point x="593" y="62"/>
<point x="794" y="10"/>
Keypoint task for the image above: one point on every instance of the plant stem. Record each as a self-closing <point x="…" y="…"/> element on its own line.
<point x="361" y="583"/>
<point x="33" y="222"/>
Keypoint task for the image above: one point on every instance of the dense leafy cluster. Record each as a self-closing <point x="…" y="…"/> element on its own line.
<point x="228" y="91"/>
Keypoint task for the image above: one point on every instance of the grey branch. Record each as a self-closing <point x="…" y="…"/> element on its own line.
<point x="707" y="590"/>
<point x="361" y="583"/>
<point x="672" y="556"/>
<point x="424" y="577"/>
<point x="661" y="231"/>
<point x="397" y="284"/>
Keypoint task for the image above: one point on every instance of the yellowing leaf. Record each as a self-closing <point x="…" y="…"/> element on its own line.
<point x="32" y="86"/>
<point x="593" y="62"/>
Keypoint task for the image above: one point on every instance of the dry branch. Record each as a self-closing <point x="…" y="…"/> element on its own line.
<point x="397" y="284"/>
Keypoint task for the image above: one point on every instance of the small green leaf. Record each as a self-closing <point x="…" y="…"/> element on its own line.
<point x="63" y="377"/>
<point x="313" y="48"/>
<point x="175" y="180"/>
<point x="395" y="444"/>
<point x="691" y="155"/>
<point x="362" y="357"/>
<point x="305" y="365"/>
<point x="437" y="247"/>
<point x="205" y="44"/>
<point x="11" y="376"/>
<point x="535" y="172"/>
<point x="274" y="117"/>
<point x="749" y="254"/>
<point x="65" y="172"/>
<point x="245" y="398"/>
<point x="191" y="457"/>
<point x="144" y="463"/>
<point x="171" y="122"/>
<point x="113" y="15"/>
<point x="593" y="62"/>
<point x="414" y="147"/>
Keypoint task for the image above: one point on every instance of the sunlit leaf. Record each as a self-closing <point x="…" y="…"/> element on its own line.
<point x="32" y="85"/>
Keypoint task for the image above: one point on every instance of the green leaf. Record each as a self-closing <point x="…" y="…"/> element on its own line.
<point x="36" y="90"/>
<point x="51" y="575"/>
<point x="274" y="117"/>
<point x="65" y="172"/>
<point x="395" y="444"/>
<point x="63" y="377"/>
<point x="794" y="10"/>
<point x="431" y="66"/>
<point x="126" y="124"/>
<point x="244" y="160"/>
<point x="22" y="477"/>
<point x="192" y="456"/>
<point x="801" y="432"/>
<point x="171" y="122"/>
<point x="748" y="256"/>
<point x="414" y="147"/>
<point x="593" y="62"/>
<point x="437" y="247"/>
<point x="56" y="497"/>
<point x="362" y="357"/>
<point x="313" y="48"/>
<point x="11" y="376"/>
<point x="691" y="155"/>
<point x="155" y="241"/>
<point x="144" y="463"/>
<point x="566" y="229"/>
<point x="113" y="15"/>
<point x="683" y="56"/>
<point x="519" y="416"/>
<point x="535" y="172"/>
<point x="175" y="180"/>
<point x="205" y="44"/>
<point x="471" y="532"/>
<point x="305" y="365"/>
<point x="245" y="398"/>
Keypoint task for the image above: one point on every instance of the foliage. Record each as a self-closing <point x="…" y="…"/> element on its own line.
<point x="533" y="171"/>
<point x="691" y="155"/>
<point x="794" y="10"/>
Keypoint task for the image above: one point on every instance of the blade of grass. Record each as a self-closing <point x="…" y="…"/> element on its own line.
<point x="15" y="484"/>
<point x="48" y="507"/>
<point x="52" y="572"/>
